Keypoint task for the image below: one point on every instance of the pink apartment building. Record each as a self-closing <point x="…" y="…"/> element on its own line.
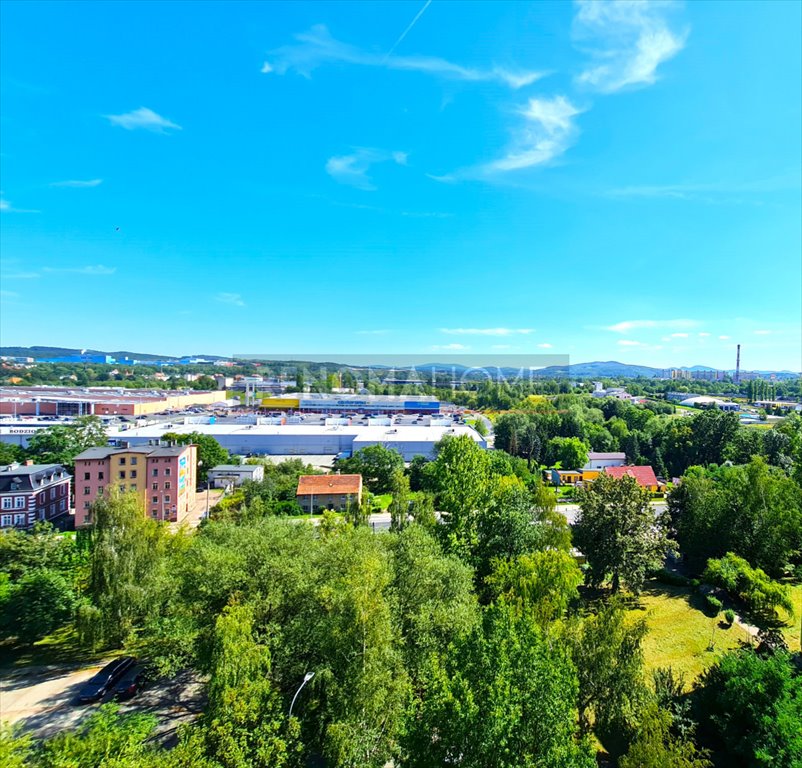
<point x="164" y="476"/>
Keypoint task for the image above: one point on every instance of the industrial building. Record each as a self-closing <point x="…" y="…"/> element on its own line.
<point x="306" y="439"/>
<point x="97" y="401"/>
<point x="315" y="402"/>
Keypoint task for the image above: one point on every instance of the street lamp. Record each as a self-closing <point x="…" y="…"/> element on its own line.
<point x="307" y="677"/>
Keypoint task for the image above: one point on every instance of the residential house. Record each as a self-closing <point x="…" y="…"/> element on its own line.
<point x="644" y="475"/>
<point x="337" y="492"/>
<point x="30" y="493"/>
<point x="224" y="475"/>
<point x="597" y="460"/>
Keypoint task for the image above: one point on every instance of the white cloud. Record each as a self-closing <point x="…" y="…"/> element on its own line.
<point x="6" y="207"/>
<point x="762" y="333"/>
<point x="631" y="325"/>
<point x="97" y="269"/>
<point x="78" y="183"/>
<point x="703" y="333"/>
<point x="630" y="343"/>
<point x="724" y="338"/>
<point x="143" y="118"/>
<point x="234" y="299"/>
<point x="316" y="47"/>
<point x="679" y="335"/>
<point x="448" y="347"/>
<point x="545" y="345"/>
<point x="353" y="169"/>
<point x="487" y="331"/>
<point x="627" y="40"/>
<point x="548" y="130"/>
<point x="20" y="276"/>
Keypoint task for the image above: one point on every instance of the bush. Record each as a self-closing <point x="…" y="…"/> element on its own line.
<point x="714" y="605"/>
<point x="729" y="616"/>
<point x="664" y="576"/>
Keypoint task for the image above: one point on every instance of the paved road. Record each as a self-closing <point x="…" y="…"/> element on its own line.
<point x="42" y="699"/>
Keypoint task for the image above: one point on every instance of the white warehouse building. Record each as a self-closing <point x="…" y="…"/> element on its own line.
<point x="307" y="439"/>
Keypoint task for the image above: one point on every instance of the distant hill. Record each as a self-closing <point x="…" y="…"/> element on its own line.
<point x="610" y="370"/>
<point x="39" y="352"/>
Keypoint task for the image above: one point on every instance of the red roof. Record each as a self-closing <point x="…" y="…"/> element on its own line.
<point x="644" y="475"/>
<point x="314" y="485"/>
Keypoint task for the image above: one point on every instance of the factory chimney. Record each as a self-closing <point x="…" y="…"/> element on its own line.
<point x="738" y="365"/>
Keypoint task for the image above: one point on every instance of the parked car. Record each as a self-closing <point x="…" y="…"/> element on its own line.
<point x="97" y="686"/>
<point x="130" y="683"/>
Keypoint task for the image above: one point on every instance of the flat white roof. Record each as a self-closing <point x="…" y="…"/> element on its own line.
<point x="400" y="433"/>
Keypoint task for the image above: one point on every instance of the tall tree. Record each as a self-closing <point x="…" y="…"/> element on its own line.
<point x="210" y="452"/>
<point x="61" y="443"/>
<point x="377" y="464"/>
<point x="619" y="532"/>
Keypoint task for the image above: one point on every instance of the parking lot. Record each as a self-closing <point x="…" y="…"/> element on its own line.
<point x="42" y="699"/>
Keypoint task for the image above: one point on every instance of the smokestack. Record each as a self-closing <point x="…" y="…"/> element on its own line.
<point x="738" y="365"/>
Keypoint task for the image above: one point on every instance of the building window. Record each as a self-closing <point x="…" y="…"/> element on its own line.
<point x="7" y="502"/>
<point x="133" y="474"/>
<point x="19" y="520"/>
<point x="87" y="490"/>
<point x="122" y="474"/>
<point x="19" y="502"/>
<point x="52" y="494"/>
<point x="155" y="499"/>
<point x="86" y="505"/>
<point x="167" y="471"/>
<point x="122" y="462"/>
<point x="62" y="505"/>
<point x="100" y="476"/>
<point x="86" y="475"/>
<point x="100" y="490"/>
<point x="5" y="520"/>
<point x="154" y="486"/>
<point x="133" y="486"/>
<point x="155" y="472"/>
<point x="166" y="498"/>
<point x="133" y="460"/>
<point x="167" y="486"/>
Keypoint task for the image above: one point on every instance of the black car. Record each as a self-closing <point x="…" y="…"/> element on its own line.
<point x="97" y="686"/>
<point x="130" y="683"/>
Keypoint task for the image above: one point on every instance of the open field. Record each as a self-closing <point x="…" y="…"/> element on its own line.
<point x="680" y="631"/>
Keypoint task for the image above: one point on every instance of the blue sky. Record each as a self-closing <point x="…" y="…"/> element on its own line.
<point x="608" y="181"/>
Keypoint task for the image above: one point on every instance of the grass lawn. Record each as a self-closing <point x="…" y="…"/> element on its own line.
<point x="792" y="628"/>
<point x="382" y="500"/>
<point x="680" y="631"/>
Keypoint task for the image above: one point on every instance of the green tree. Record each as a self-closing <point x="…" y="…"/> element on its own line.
<point x="377" y="464"/>
<point x="750" y="709"/>
<point x="15" y="747"/>
<point x="619" y="533"/>
<point x="569" y="452"/>
<point x="61" y="443"/>
<point x="399" y="506"/>
<point x="656" y="746"/>
<point x="38" y="604"/>
<point x="126" y="568"/>
<point x="502" y="696"/>
<point x="210" y="452"/>
<point x="10" y="453"/>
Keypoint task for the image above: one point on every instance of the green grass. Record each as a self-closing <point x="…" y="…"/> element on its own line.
<point x="680" y="631"/>
<point x="382" y="501"/>
<point x="791" y="630"/>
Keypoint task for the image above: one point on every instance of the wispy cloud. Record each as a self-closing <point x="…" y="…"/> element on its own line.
<point x="449" y="347"/>
<point x="353" y="169"/>
<point x="630" y="343"/>
<point x="545" y="345"/>
<point x="487" y="331"/>
<point x="19" y="275"/>
<point x="6" y="207"/>
<point x="96" y="269"/>
<point x="317" y="47"/>
<point x="408" y="28"/>
<point x="679" y="335"/>
<point x="627" y="41"/>
<point x="548" y="130"/>
<point x="632" y="325"/>
<point x="8" y="295"/>
<point x="724" y="338"/>
<point x="711" y="192"/>
<point x="78" y="183"/>
<point x="762" y="332"/>
<point x="703" y="334"/>
<point x="234" y="299"/>
<point x="145" y="119"/>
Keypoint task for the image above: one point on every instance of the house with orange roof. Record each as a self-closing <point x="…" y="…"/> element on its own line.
<point x="643" y="475"/>
<point x="318" y="492"/>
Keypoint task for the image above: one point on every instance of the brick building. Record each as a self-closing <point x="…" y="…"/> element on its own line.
<point x="30" y="493"/>
<point x="318" y="492"/>
<point x="164" y="476"/>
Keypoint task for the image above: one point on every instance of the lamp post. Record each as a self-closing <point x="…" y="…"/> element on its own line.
<point x="307" y="677"/>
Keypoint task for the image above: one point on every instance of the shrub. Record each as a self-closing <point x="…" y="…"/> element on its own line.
<point x="714" y="605"/>
<point x="729" y="616"/>
<point x="664" y="576"/>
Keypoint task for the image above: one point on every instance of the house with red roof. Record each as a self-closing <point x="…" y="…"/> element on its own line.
<point x="337" y="492"/>
<point x="644" y="475"/>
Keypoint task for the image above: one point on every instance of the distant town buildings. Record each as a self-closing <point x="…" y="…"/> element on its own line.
<point x="704" y="401"/>
<point x="31" y="493"/>
<point x="318" y="492"/>
<point x="597" y="460"/>
<point x="164" y="476"/>
<point x="313" y="402"/>
<point x="97" y="401"/>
